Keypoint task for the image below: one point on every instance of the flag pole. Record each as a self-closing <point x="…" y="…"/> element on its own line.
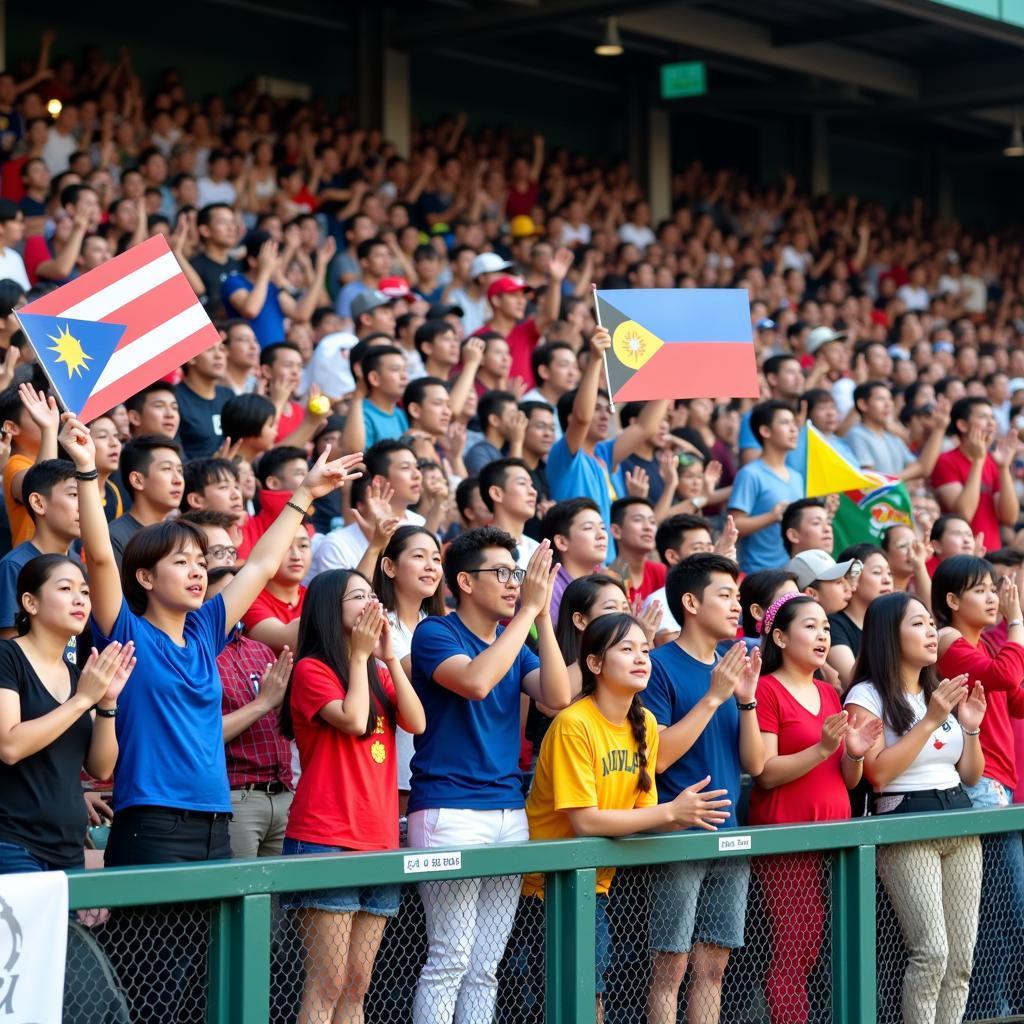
<point x="604" y="354"/>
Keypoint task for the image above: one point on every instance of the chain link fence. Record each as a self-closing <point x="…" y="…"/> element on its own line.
<point x="151" y="965"/>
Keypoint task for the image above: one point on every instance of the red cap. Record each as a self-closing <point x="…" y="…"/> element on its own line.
<point x="506" y="286"/>
<point x="395" y="288"/>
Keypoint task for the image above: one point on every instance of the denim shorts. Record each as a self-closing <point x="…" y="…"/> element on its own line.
<point x="379" y="900"/>
<point x="702" y="901"/>
<point x="989" y="793"/>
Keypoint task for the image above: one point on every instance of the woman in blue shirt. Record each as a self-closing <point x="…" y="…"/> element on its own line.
<point x="171" y="795"/>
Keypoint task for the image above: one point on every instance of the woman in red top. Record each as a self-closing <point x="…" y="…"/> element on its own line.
<point x="966" y="599"/>
<point x="813" y="754"/>
<point x="346" y="695"/>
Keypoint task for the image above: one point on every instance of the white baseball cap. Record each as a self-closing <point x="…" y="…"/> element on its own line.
<point x="487" y="263"/>
<point x="816" y="564"/>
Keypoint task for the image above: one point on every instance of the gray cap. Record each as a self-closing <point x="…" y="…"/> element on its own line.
<point x="816" y="564"/>
<point x="487" y="263"/>
<point x="822" y="336"/>
<point x="365" y="301"/>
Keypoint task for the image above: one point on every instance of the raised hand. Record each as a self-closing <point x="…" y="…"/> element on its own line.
<point x="1009" y="600"/>
<point x="105" y="674"/>
<point x="668" y="470"/>
<point x="268" y="256"/>
<point x="10" y="363"/>
<point x="535" y="596"/>
<point x="638" y="482"/>
<point x="726" y="675"/>
<point x="746" y="688"/>
<point x="698" y="807"/>
<point x="973" y="445"/>
<point x="833" y="732"/>
<point x="326" y="476"/>
<point x="367" y="630"/>
<point x="862" y="735"/>
<point x="971" y="709"/>
<point x="473" y="352"/>
<point x="946" y="696"/>
<point x="76" y="440"/>
<point x="727" y="539"/>
<point x="561" y="264"/>
<point x="384" y="651"/>
<point x="377" y="500"/>
<point x="274" y="681"/>
<point x="650" y="620"/>
<point x="42" y="408"/>
<point x="712" y="474"/>
<point x="600" y="341"/>
<point x="1006" y="449"/>
<point x="227" y="449"/>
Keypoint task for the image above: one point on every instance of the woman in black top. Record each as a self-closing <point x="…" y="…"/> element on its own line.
<point x="47" y="712"/>
<point x="847" y="626"/>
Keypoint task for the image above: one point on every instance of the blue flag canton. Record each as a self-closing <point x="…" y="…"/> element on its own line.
<point x="74" y="353"/>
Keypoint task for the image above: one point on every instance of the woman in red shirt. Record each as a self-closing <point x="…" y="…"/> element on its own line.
<point x="273" y="618"/>
<point x="966" y="599"/>
<point x="346" y="695"/>
<point x="813" y="754"/>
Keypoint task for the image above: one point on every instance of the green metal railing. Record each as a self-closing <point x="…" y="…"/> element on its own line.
<point x="241" y="892"/>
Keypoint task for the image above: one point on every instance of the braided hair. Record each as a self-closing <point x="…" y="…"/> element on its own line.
<point x="600" y="636"/>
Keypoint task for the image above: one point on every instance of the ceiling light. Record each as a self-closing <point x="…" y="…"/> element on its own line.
<point x="611" y="44"/>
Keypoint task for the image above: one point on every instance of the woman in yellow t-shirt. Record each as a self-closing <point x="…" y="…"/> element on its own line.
<point x="593" y="776"/>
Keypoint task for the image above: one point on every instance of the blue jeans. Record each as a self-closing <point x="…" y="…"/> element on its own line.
<point x="1001" y="913"/>
<point x="16" y="860"/>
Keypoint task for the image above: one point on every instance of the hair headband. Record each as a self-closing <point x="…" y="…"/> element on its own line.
<point x="773" y="609"/>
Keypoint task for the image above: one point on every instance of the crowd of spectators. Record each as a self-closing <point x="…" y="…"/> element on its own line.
<point x="406" y="420"/>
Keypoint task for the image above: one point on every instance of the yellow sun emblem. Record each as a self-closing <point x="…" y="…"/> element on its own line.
<point x="633" y="344"/>
<point x="70" y="352"/>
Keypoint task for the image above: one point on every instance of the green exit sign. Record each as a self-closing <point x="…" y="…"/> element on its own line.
<point x="686" y="79"/>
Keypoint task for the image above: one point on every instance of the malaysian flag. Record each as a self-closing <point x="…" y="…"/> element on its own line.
<point x="111" y="332"/>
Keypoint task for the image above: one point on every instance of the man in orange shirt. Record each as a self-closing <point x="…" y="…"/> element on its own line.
<point x="32" y="421"/>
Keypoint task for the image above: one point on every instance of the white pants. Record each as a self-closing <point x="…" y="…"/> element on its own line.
<point x="469" y="920"/>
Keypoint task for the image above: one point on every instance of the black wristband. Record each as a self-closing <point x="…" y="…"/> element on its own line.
<point x="747" y="707"/>
<point x="106" y="712"/>
<point x="298" y="508"/>
<point x="87" y="474"/>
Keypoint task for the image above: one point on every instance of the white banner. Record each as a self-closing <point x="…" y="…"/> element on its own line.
<point x="33" y="947"/>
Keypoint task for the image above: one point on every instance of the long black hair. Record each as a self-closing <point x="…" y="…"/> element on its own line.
<point x="598" y="638"/>
<point x="760" y="588"/>
<point x="31" y="579"/>
<point x="579" y="596"/>
<point x="771" y="652"/>
<point x="384" y="585"/>
<point x="321" y="637"/>
<point x="879" y="661"/>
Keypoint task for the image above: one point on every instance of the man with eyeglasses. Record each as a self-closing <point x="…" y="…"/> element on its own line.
<point x="469" y="672"/>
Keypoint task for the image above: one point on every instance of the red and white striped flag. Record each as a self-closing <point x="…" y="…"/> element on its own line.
<point x="111" y="332"/>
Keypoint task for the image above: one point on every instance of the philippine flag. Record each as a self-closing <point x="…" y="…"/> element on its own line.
<point x="679" y="343"/>
<point x="111" y="332"/>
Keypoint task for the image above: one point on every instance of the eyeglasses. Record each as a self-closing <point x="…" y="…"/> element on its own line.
<point x="504" y="574"/>
<point x="360" y="595"/>
<point x="219" y="551"/>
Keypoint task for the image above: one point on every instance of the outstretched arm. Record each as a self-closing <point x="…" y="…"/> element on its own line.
<point x="270" y="549"/>
<point x="104" y="578"/>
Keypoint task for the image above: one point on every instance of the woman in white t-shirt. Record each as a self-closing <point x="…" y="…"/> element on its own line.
<point x="928" y="748"/>
<point x="407" y="581"/>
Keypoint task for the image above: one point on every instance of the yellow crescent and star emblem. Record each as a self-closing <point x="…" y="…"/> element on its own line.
<point x="69" y="352"/>
<point x="634" y="345"/>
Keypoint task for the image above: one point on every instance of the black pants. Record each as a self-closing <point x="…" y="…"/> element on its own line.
<point x="160" y="953"/>
<point x="163" y="835"/>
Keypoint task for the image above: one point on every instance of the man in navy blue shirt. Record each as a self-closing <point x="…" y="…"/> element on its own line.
<point x="469" y="672"/>
<point x="704" y="705"/>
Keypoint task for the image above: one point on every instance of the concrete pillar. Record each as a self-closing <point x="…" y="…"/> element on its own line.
<point x="368" y="49"/>
<point x="659" y="163"/>
<point x="397" y="100"/>
<point x="819" y="176"/>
